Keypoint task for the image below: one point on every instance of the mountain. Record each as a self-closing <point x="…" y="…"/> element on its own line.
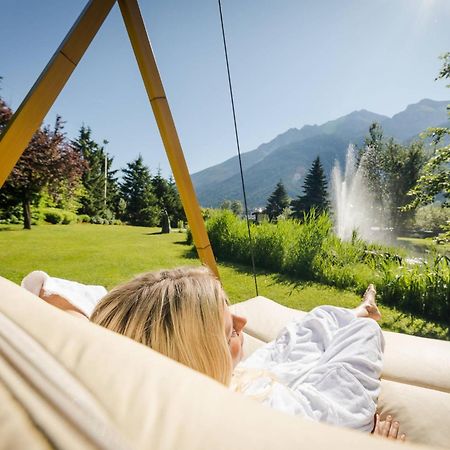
<point x="289" y="155"/>
<point x="415" y="119"/>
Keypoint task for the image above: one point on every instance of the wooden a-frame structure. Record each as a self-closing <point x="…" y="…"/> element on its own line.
<point x="43" y="94"/>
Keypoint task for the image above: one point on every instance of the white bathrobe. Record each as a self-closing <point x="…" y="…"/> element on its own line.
<point x="325" y="367"/>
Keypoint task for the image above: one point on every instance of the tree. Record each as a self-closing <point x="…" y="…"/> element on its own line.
<point x="137" y="190"/>
<point x="435" y="178"/>
<point x="168" y="201"/>
<point x="237" y="208"/>
<point x="226" y="204"/>
<point x="315" y="192"/>
<point x="232" y="205"/>
<point x="96" y="200"/>
<point x="277" y="202"/>
<point x="47" y="162"/>
<point x="176" y="211"/>
<point x="391" y="170"/>
<point x="374" y="162"/>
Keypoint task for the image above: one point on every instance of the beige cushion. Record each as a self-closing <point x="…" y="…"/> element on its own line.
<point x="156" y="403"/>
<point x="16" y="428"/>
<point x="416" y="374"/>
<point x="424" y="413"/>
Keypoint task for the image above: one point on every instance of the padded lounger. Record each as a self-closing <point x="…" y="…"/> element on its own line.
<point x="139" y="399"/>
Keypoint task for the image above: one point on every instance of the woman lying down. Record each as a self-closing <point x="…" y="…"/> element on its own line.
<point x="325" y="366"/>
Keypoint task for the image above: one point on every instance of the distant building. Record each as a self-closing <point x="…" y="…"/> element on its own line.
<point x="259" y="215"/>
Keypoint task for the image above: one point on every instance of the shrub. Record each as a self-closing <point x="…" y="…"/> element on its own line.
<point x="53" y="215"/>
<point x="308" y="245"/>
<point x="418" y="288"/>
<point x="84" y="218"/>
<point x="310" y="251"/>
<point x="98" y="220"/>
<point x="69" y="217"/>
<point x="189" y="239"/>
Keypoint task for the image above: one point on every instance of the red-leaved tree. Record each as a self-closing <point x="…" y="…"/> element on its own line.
<point x="48" y="160"/>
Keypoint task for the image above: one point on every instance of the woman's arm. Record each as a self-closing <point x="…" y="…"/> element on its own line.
<point x="61" y="303"/>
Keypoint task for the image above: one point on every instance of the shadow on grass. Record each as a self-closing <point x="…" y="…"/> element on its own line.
<point x="189" y="253"/>
<point x="183" y="243"/>
<point x="415" y="325"/>
<point x="9" y="228"/>
<point x="278" y="279"/>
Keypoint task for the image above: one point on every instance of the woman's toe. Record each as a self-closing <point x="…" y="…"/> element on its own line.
<point x="393" y="432"/>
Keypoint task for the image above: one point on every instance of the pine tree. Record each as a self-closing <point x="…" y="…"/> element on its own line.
<point x="168" y="200"/>
<point x="315" y="192"/>
<point x="141" y="203"/>
<point x="277" y="202"/>
<point x="176" y="211"/>
<point x="94" y="202"/>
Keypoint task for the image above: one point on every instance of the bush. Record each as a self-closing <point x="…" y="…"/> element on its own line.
<point x="53" y="215"/>
<point x="98" y="220"/>
<point x="310" y="251"/>
<point x="418" y="288"/>
<point x="69" y="217"/>
<point x="58" y="216"/>
<point x="36" y="216"/>
<point x="189" y="239"/>
<point x="84" y="218"/>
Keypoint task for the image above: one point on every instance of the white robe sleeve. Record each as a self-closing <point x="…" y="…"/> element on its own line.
<point x="82" y="296"/>
<point x="327" y="366"/>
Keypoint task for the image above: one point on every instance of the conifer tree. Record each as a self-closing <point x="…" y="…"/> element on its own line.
<point x="277" y="202"/>
<point x="168" y="200"/>
<point x="94" y="202"/>
<point x="315" y="192"/>
<point x="176" y="207"/>
<point x="137" y="190"/>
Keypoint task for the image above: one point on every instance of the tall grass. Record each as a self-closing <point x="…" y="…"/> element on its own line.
<point x="419" y="288"/>
<point x="309" y="250"/>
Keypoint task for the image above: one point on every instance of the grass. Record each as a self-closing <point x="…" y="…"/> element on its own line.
<point x="424" y="245"/>
<point x="108" y="255"/>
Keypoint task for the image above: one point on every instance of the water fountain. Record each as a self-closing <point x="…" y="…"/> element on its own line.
<point x="355" y="208"/>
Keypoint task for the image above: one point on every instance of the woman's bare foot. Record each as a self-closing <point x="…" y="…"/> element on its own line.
<point x="388" y="428"/>
<point x="368" y="307"/>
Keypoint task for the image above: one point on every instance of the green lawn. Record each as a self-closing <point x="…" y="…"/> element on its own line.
<point x="108" y="255"/>
<point x="425" y="245"/>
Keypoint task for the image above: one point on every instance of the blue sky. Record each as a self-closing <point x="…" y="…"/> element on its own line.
<point x="293" y="62"/>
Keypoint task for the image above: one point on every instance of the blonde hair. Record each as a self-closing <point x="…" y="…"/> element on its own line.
<point x="179" y="313"/>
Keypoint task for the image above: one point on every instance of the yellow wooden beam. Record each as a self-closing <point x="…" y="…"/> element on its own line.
<point x="155" y="91"/>
<point x="43" y="94"/>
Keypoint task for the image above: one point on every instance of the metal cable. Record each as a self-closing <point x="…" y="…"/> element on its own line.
<point x="238" y="147"/>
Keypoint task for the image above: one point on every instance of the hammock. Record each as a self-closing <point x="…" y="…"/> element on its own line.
<point x="137" y="398"/>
